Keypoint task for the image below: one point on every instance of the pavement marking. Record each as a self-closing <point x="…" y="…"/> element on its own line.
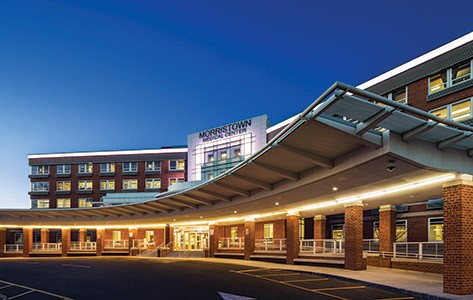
<point x="20" y="295"/>
<point x="307" y="280"/>
<point x="5" y="286"/>
<point x="341" y="288"/>
<point x="397" y="298"/>
<point x="34" y="290"/>
<point x="254" y="270"/>
<point x="228" y="296"/>
<point x="75" y="266"/>
<point x="280" y="274"/>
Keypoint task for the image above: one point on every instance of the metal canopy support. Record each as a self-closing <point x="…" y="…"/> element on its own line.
<point x="124" y="211"/>
<point x="257" y="182"/>
<point x="141" y="211"/>
<point x="312" y="157"/>
<point x="205" y="202"/>
<point x="239" y="191"/>
<point x="181" y="202"/>
<point x="453" y="140"/>
<point x="216" y="195"/>
<point x="166" y="205"/>
<point x="154" y="209"/>
<point x="374" y="120"/>
<point x="418" y="131"/>
<point x="284" y="173"/>
<point x="81" y="214"/>
<point x="47" y="215"/>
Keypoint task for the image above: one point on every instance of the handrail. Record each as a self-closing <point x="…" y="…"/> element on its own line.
<point x="322" y="246"/>
<point x="419" y="250"/>
<point x="48" y="247"/>
<point x="228" y="242"/>
<point x="270" y="244"/>
<point x="13" y="248"/>
<point x="116" y="243"/>
<point x="83" y="246"/>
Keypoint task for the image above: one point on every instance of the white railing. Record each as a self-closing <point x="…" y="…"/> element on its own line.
<point x="13" y="248"/>
<point x="321" y="246"/>
<point x="424" y="250"/>
<point x="270" y="245"/>
<point x="85" y="246"/>
<point x="233" y="243"/>
<point x="143" y="244"/>
<point x="47" y="247"/>
<point x="116" y="244"/>
<point x="371" y="245"/>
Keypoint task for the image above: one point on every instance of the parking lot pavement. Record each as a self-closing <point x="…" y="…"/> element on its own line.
<point x="10" y="290"/>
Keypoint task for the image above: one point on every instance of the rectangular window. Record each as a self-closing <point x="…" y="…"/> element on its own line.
<point x="154" y="166"/>
<point x="437" y="82"/>
<point x="39" y="170"/>
<point x="338" y="231"/>
<point x="42" y="186"/>
<point x="435" y="203"/>
<point x="63" y="186"/>
<point x="107" y="168"/>
<point x="175" y="180"/>
<point x="85" y="185"/>
<point x="461" y="73"/>
<point x="441" y="112"/>
<point x="149" y="236"/>
<point x="435" y="229"/>
<point x="130" y="184"/>
<point x="402" y="208"/>
<point x="450" y="77"/>
<point x="85" y="168"/>
<point x="222" y="154"/>
<point x="376" y="230"/>
<point x="401" y="231"/>
<point x="107" y="185"/>
<point x="153" y="183"/>
<point x="236" y="151"/>
<point x="40" y="203"/>
<point x="459" y="111"/>
<point x="130" y="167"/>
<point x="175" y="165"/>
<point x="268" y="231"/>
<point x="63" y="203"/>
<point x="117" y="236"/>
<point x="301" y="228"/>
<point x="63" y="169"/>
<point x="18" y="238"/>
<point x="85" y="202"/>
<point x="234" y="233"/>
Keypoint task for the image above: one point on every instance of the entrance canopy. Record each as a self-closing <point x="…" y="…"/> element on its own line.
<point x="349" y="145"/>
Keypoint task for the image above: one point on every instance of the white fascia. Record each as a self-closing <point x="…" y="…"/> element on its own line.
<point x="108" y="153"/>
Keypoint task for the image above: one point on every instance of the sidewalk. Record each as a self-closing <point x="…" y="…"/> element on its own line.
<point x="419" y="284"/>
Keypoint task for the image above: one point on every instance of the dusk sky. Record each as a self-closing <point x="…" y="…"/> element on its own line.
<point x="113" y="75"/>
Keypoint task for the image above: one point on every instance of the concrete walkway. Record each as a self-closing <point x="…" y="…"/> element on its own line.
<point x="418" y="284"/>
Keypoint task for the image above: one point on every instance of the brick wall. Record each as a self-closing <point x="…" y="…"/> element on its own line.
<point x="279" y="229"/>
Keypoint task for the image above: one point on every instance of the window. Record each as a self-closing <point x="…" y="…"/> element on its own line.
<point x="401" y="231"/>
<point x="130" y="184"/>
<point x="149" y="236"/>
<point x="268" y="231"/>
<point x="63" y="203"/>
<point x="154" y="166"/>
<point x="63" y="169"/>
<point x="236" y="151"/>
<point x="435" y="229"/>
<point x="18" y="238"/>
<point x="40" y="203"/>
<point x="175" y="165"/>
<point x="63" y="186"/>
<point x="39" y="170"/>
<point x="42" y="186"/>
<point x="117" y="236"/>
<point x="301" y="228"/>
<point x="457" y="112"/>
<point x="337" y="231"/>
<point x="85" y="168"/>
<point x="107" y="185"/>
<point x="130" y="167"/>
<point x="223" y="154"/>
<point x="85" y="185"/>
<point x="399" y="95"/>
<point x="402" y="208"/>
<point x="107" y="168"/>
<point x="175" y="180"/>
<point x="376" y="230"/>
<point x="85" y="202"/>
<point x="153" y="183"/>
<point x="234" y="233"/>
<point x="450" y="77"/>
<point x="435" y="203"/>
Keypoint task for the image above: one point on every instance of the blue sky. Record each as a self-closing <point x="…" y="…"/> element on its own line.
<point x="107" y="75"/>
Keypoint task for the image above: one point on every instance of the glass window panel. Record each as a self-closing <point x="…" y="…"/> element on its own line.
<point x="438" y="82"/>
<point x="400" y="95"/>
<point x="85" y="168"/>
<point x="436" y="229"/>
<point x="461" y="73"/>
<point x="441" y="112"/>
<point x="268" y="231"/>
<point x="401" y="231"/>
<point x="461" y="111"/>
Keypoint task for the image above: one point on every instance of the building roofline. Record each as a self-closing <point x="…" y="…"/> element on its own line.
<point x="108" y="153"/>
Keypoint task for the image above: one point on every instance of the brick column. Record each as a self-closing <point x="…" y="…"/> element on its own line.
<point x="354" y="237"/>
<point x="169" y="235"/>
<point x="132" y="234"/>
<point x="44" y="235"/>
<point x="213" y="239"/>
<point x="292" y="237"/>
<point x="82" y="235"/>
<point x="27" y="241"/>
<point x="387" y="232"/>
<point x="249" y="238"/>
<point x="100" y="240"/>
<point x="66" y="240"/>
<point x="320" y="227"/>
<point x="3" y="240"/>
<point x="458" y="237"/>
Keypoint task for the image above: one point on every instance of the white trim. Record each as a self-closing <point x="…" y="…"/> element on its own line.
<point x="428" y="228"/>
<point x="108" y="153"/>
<point x="419" y="60"/>
<point x="281" y="124"/>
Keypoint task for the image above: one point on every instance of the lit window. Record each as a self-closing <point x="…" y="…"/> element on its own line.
<point x="237" y="152"/>
<point x="268" y="231"/>
<point x="210" y="157"/>
<point x="450" y="77"/>
<point x="63" y="186"/>
<point x="234" y="233"/>
<point x="18" y="238"/>
<point x="436" y="229"/>
<point x="435" y="203"/>
<point x="441" y="112"/>
<point x="149" y="236"/>
<point x="153" y="166"/>
<point x="40" y="203"/>
<point x="85" y="185"/>
<point x="223" y="154"/>
<point x="399" y="95"/>
<point x="63" y="169"/>
<point x="107" y="185"/>
<point x="153" y="183"/>
<point x="85" y="202"/>
<point x="401" y="231"/>
<point x="42" y="186"/>
<point x="337" y="231"/>
<point x="461" y="73"/>
<point x="301" y="228"/>
<point x="175" y="180"/>
<point x="85" y="168"/>
<point x="175" y="165"/>
<point x="376" y="230"/>
<point x="116" y="236"/>
<point x="459" y="111"/>
<point x="130" y="167"/>
<point x="438" y="82"/>
<point x="107" y="168"/>
<point x="63" y="203"/>
<point x="130" y="184"/>
<point x="39" y="170"/>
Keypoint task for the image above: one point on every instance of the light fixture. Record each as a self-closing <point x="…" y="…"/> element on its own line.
<point x="235" y="212"/>
<point x="334" y="188"/>
<point x="277" y="203"/>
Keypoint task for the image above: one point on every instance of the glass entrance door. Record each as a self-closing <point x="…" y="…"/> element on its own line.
<point x="190" y="239"/>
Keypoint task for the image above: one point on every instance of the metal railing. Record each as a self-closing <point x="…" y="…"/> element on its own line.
<point x="371" y="245"/>
<point x="422" y="250"/>
<point x="13" y="248"/>
<point x="270" y="245"/>
<point x="47" y="247"/>
<point x="233" y="243"/>
<point x="143" y="244"/>
<point x="116" y="244"/>
<point x="321" y="246"/>
<point x="83" y="246"/>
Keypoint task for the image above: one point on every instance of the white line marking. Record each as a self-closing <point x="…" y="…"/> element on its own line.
<point x="6" y="286"/>
<point x="75" y="266"/>
<point x="35" y="290"/>
<point x="20" y="295"/>
<point x="227" y="296"/>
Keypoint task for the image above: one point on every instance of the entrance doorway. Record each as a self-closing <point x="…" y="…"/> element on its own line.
<point x="191" y="238"/>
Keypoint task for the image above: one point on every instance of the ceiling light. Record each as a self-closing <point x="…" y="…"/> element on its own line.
<point x="277" y="203"/>
<point x="334" y="188"/>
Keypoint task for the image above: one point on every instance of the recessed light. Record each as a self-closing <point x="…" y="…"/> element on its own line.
<point x="201" y="217"/>
<point x="235" y="212"/>
<point x="334" y="188"/>
<point x="277" y="203"/>
<point x="174" y="220"/>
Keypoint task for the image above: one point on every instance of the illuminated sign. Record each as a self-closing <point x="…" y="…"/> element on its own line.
<point x="225" y="131"/>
